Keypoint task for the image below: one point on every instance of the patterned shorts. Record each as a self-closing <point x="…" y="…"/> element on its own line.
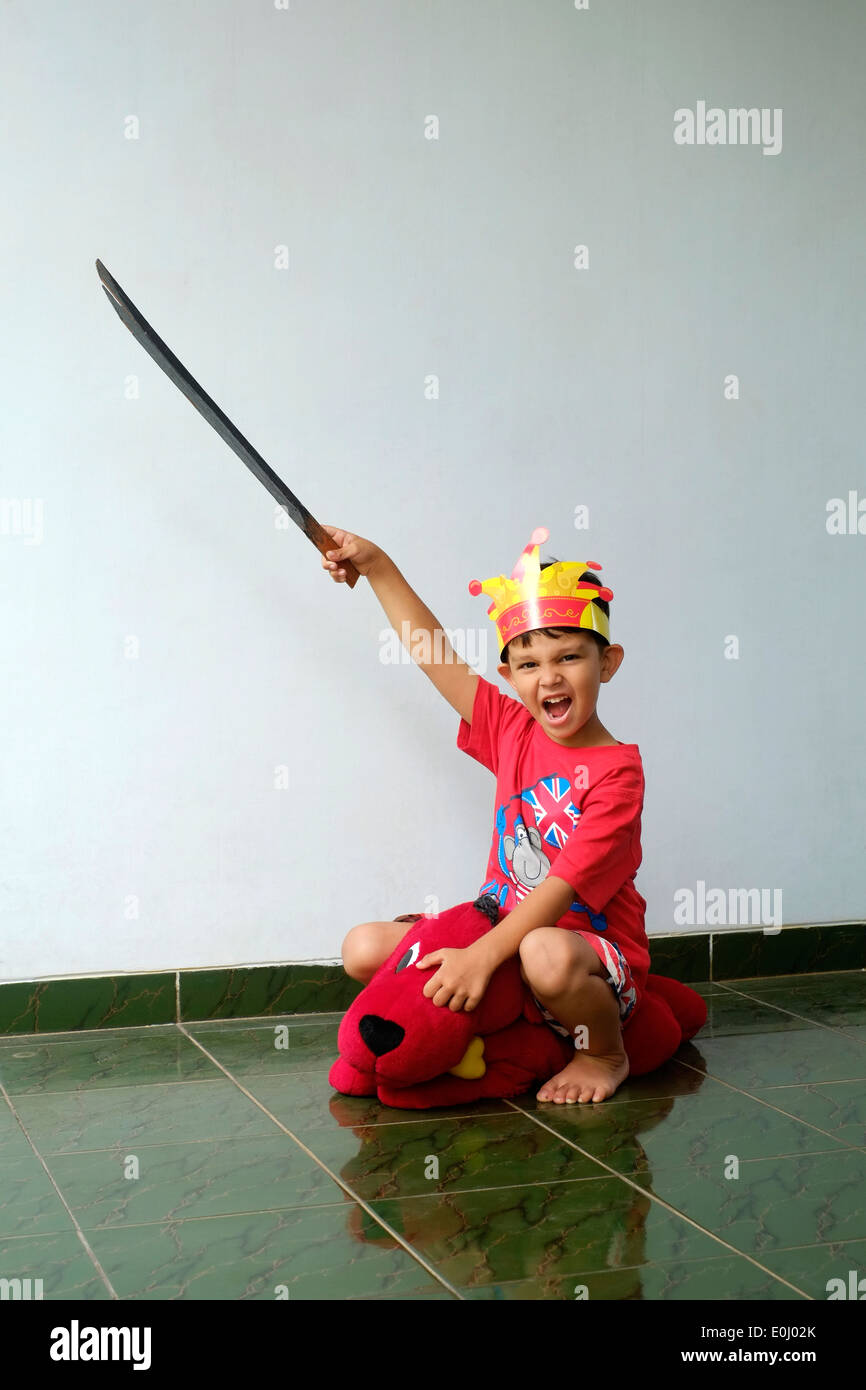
<point x="619" y="975"/>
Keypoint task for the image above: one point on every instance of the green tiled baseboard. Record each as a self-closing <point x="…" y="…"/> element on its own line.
<point x="124" y="1001"/>
<point x="743" y="953"/>
<point x="739" y="955"/>
<point x="685" y="958"/>
<point x="103" y="1001"/>
<point x="262" y="991"/>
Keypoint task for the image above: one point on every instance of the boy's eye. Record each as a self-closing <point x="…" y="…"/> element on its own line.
<point x="409" y="958"/>
<point x="569" y="656"/>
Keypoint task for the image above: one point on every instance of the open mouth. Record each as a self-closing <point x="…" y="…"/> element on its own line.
<point x="557" y="709"/>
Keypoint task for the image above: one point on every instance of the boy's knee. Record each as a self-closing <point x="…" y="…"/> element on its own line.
<point x="553" y="960"/>
<point x="363" y="951"/>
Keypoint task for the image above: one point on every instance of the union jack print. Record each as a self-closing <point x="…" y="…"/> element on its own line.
<point x="555" y="813"/>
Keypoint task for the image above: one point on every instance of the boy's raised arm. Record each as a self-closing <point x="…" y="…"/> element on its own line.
<point x="427" y="643"/>
<point x="418" y="629"/>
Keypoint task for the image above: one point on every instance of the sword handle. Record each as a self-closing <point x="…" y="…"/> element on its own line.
<point x="323" y="543"/>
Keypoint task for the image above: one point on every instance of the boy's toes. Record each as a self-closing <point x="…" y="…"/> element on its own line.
<point x="550" y="1090"/>
<point x="573" y="1086"/>
<point x="580" y="1093"/>
<point x="560" y="1092"/>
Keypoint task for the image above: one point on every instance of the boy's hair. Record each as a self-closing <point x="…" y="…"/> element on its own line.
<point x="525" y="638"/>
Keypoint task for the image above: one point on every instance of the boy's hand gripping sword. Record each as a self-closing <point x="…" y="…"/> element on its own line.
<point x="165" y="358"/>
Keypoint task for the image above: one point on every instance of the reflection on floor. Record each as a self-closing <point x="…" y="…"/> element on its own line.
<point x="206" y="1162"/>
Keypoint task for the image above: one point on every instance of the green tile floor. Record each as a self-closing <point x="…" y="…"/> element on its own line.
<point x="203" y="1161"/>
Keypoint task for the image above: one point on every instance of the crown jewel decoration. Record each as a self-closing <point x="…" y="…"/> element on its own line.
<point x="533" y="597"/>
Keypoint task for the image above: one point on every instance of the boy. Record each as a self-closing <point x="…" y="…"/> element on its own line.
<point x="566" y="844"/>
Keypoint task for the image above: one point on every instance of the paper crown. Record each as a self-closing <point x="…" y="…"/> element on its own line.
<point x="554" y="597"/>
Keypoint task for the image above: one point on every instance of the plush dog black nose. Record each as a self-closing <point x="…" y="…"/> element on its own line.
<point x="380" y="1034"/>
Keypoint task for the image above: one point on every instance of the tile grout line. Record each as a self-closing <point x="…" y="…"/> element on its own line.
<point x="768" y="980"/>
<point x="137" y="1085"/>
<point x="797" y="1086"/>
<point x="253" y="1021"/>
<point x="747" y="1095"/>
<point x="828" y="1027"/>
<point x="78" y="1231"/>
<point x="164" y="1223"/>
<point x="339" y="1181"/>
<point x="854" y="1148"/>
<point x="848" y="1240"/>
<point x="760" y="1101"/>
<point x="654" y="1197"/>
<point x="551" y="1182"/>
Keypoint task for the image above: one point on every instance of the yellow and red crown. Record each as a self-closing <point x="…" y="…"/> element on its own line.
<point x="554" y="597"/>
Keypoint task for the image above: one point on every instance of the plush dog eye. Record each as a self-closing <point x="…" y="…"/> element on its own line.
<point x="410" y="957"/>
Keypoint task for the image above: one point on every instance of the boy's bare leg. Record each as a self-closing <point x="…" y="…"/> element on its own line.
<point x="369" y="945"/>
<point x="566" y="975"/>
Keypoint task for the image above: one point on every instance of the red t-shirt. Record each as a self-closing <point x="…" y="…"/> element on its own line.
<point x="572" y="812"/>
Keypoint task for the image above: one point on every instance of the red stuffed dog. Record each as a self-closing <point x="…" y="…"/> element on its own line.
<point x="397" y="1044"/>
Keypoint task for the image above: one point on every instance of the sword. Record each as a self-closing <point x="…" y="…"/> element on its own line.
<point x="165" y="358"/>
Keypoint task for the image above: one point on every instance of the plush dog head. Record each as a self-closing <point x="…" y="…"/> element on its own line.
<point x="393" y="1033"/>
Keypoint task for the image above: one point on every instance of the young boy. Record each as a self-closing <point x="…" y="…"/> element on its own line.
<point x="566" y="842"/>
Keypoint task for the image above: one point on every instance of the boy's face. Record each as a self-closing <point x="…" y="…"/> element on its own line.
<point x="572" y="666"/>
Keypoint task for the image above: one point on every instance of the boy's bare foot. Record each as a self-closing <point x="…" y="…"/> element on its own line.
<point x="587" y="1078"/>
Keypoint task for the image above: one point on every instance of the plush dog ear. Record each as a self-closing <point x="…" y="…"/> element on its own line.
<point x="489" y="905"/>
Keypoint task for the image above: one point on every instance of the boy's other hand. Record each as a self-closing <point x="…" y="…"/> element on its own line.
<point x="462" y="977"/>
<point x="363" y="554"/>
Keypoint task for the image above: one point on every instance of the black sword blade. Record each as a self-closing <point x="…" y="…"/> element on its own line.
<point x="177" y="372"/>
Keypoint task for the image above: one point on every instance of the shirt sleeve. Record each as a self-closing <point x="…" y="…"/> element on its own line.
<point x="603" y="850"/>
<point x="492" y="714"/>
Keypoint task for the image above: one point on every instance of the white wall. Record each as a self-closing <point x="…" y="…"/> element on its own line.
<point x="153" y="777"/>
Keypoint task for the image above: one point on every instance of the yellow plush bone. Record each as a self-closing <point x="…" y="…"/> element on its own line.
<point x="471" y="1064"/>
